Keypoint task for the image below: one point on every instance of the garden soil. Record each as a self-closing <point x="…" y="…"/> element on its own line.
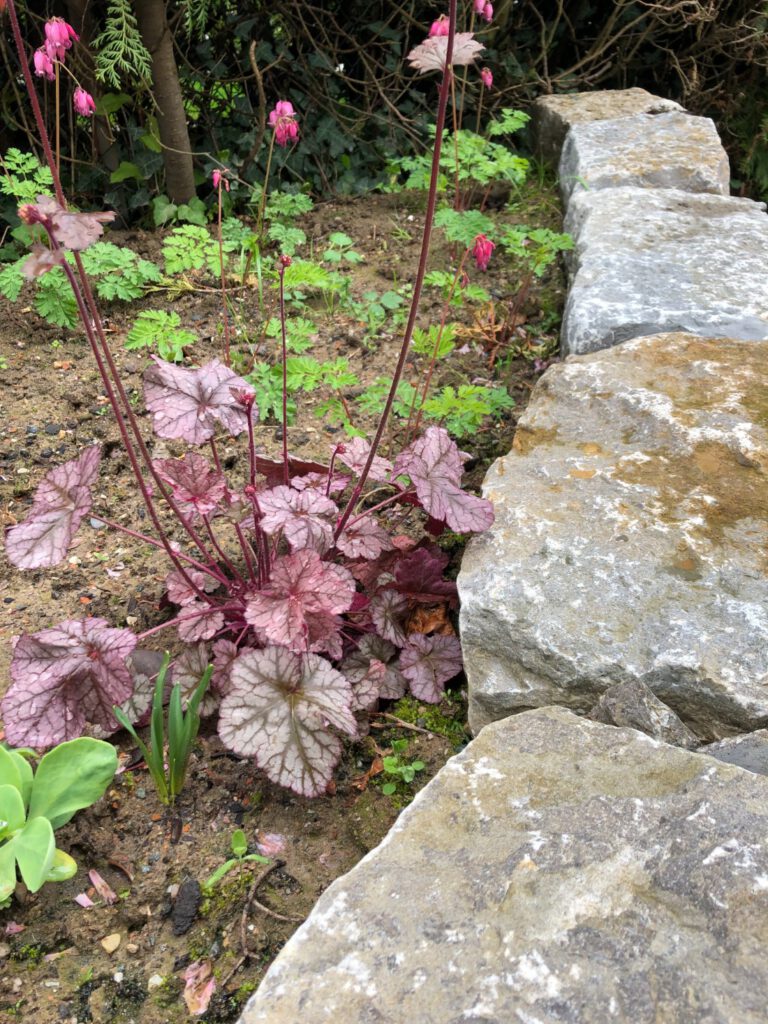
<point x="125" y="961"/>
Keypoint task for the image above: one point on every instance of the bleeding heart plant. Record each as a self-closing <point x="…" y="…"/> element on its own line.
<point x="298" y="585"/>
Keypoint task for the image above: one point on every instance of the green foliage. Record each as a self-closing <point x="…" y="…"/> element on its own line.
<point x="119" y="272"/>
<point x="465" y="293"/>
<point x="179" y="730"/>
<point x="159" y="329"/>
<point x="119" y="49"/>
<point x="307" y="374"/>
<point x="12" y="280"/>
<point x="300" y="333"/>
<point x="268" y="382"/>
<point x="284" y="206"/>
<point x="191" y="247"/>
<point x="69" y="777"/>
<point x="509" y="122"/>
<point x="166" y="212"/>
<point x="24" y="178"/>
<point x="536" y="248"/>
<point x="400" y="771"/>
<point x="54" y="300"/>
<point x="303" y="276"/>
<point x="423" y="342"/>
<point x="374" y="397"/>
<point x="340" y="249"/>
<point x="239" y="847"/>
<point x="286" y="237"/>
<point x="462" y="410"/>
<point x="463" y="225"/>
<point x="376" y="309"/>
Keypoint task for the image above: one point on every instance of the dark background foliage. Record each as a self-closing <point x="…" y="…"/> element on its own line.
<point x="342" y="66"/>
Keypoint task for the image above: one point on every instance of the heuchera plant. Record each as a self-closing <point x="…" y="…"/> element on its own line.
<point x="299" y="585"/>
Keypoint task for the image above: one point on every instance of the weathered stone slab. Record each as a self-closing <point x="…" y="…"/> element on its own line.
<point x="631" y="539"/>
<point x="555" y="871"/>
<point x="749" y="751"/>
<point x="653" y="260"/>
<point x="674" y="150"/>
<point x="631" y="705"/>
<point x="554" y="115"/>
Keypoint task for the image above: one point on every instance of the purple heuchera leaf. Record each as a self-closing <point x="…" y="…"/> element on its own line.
<point x="224" y="654"/>
<point x="354" y="455"/>
<point x="180" y="592"/>
<point x="64" y="677"/>
<point x="365" y="538"/>
<point x="188" y="669"/>
<point x="187" y="404"/>
<point x="60" y="502"/>
<point x="433" y="462"/>
<point x="392" y="683"/>
<point x="430" y="55"/>
<point x="319" y="482"/>
<point x="40" y="260"/>
<point x="428" y="662"/>
<point x="419" y="574"/>
<point x="278" y="710"/>
<point x="299" y="514"/>
<point x="388" y="611"/>
<point x="199" y="621"/>
<point x="198" y="488"/>
<point x="71" y="230"/>
<point x="366" y="689"/>
<point x="300" y="606"/>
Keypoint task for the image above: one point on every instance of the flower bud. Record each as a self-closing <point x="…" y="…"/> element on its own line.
<point x="441" y="27"/>
<point x="283" y="120"/>
<point x="486" y="76"/>
<point x="43" y="64"/>
<point x="83" y="102"/>
<point x="482" y="250"/>
<point x="488" y="12"/>
<point x="58" y="38"/>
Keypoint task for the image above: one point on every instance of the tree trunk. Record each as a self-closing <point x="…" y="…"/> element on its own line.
<point x="171" y="117"/>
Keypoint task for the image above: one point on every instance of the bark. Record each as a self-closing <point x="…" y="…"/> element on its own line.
<point x="171" y="116"/>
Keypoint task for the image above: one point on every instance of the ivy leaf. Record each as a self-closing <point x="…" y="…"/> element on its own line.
<point x="428" y="662"/>
<point x="354" y="455"/>
<point x="372" y="650"/>
<point x="60" y="502"/>
<point x="298" y="608"/>
<point x="64" y="677"/>
<point x="434" y="464"/>
<point x="365" y="538"/>
<point x="431" y="54"/>
<point x="299" y="514"/>
<point x="187" y="404"/>
<point x="198" y="488"/>
<point x="388" y="611"/>
<point x="278" y="710"/>
<point x="419" y="574"/>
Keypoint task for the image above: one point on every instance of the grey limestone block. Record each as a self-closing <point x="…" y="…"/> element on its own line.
<point x="674" y="150"/>
<point x="630" y="539"/>
<point x="646" y="261"/>
<point x="552" y="116"/>
<point x="557" y="871"/>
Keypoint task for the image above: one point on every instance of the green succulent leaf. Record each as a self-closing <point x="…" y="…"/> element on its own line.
<point x="34" y="849"/>
<point x="71" y="776"/>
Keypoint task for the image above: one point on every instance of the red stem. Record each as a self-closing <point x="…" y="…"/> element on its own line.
<point x="227" y="357"/>
<point x="445" y="88"/>
<point x="283" y="334"/>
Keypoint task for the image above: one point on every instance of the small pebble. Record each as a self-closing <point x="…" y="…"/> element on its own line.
<point x="32" y="429"/>
<point x="141" y="793"/>
<point x="132" y="947"/>
<point x="111" y="942"/>
<point x="5" y="950"/>
<point x="156" y="981"/>
<point x="52" y="429"/>
<point x="118" y="976"/>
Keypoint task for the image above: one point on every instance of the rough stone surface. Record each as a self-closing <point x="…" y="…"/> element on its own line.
<point x="630" y="539"/>
<point x="632" y="705"/>
<point x="653" y="260"/>
<point x="554" y="115"/>
<point x="672" y="150"/>
<point x="557" y="870"/>
<point x="748" y="751"/>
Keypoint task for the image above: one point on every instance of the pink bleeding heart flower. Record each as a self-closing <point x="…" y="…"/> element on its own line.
<point x="488" y="12"/>
<point x="440" y="27"/>
<point x="219" y="179"/>
<point x="283" y="120"/>
<point x="43" y="64"/>
<point x="83" y="102"/>
<point x="479" y="6"/>
<point x="486" y="77"/>
<point x="482" y="251"/>
<point x="58" y="38"/>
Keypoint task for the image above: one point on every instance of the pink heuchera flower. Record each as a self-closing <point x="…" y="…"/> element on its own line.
<point x="58" y="38"/>
<point x="482" y="250"/>
<point x="486" y="76"/>
<point x="488" y="12"/>
<point x="283" y="120"/>
<point x="440" y="27"/>
<point x="83" y="102"/>
<point x="43" y="64"/>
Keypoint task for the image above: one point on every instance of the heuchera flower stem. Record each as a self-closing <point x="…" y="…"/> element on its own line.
<point x="225" y="312"/>
<point x="442" y="106"/>
<point x="284" y="262"/>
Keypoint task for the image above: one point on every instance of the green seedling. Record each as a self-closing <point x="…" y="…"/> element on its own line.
<point x="33" y="805"/>
<point x="399" y="769"/>
<point x="178" y="733"/>
<point x="161" y="330"/>
<point x="239" y="847"/>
